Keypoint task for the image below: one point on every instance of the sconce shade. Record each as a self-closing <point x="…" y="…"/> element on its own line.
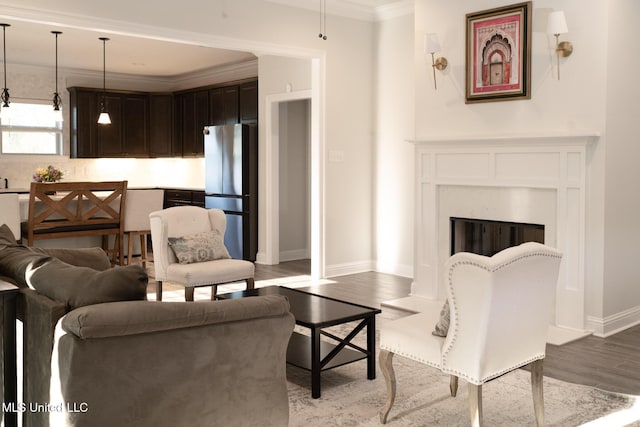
<point x="557" y="24"/>
<point x="431" y="43"/>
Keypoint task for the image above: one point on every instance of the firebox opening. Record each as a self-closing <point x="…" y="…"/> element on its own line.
<point x="488" y="237"/>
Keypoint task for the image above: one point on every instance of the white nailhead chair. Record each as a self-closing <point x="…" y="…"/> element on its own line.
<point x="500" y="310"/>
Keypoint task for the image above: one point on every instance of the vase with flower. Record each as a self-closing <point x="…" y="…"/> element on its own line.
<point x="48" y="174"/>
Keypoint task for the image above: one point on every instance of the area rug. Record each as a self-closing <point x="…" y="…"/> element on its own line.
<point x="423" y="399"/>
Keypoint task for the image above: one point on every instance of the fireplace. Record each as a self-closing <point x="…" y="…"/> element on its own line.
<point x="540" y="180"/>
<point x="488" y="237"/>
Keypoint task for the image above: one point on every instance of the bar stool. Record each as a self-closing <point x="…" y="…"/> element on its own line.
<point x="140" y="203"/>
<point x="10" y="213"/>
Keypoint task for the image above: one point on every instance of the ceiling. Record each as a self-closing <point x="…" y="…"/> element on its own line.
<point x="31" y="43"/>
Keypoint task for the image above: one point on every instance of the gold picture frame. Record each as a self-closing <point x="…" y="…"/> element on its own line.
<point x="498" y="54"/>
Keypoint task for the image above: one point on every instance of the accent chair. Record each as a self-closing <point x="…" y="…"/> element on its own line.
<point x="188" y="250"/>
<point x="499" y="312"/>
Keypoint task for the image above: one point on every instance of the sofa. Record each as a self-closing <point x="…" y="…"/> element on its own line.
<point x="96" y="352"/>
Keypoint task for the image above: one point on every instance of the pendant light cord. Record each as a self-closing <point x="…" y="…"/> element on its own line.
<point x="323" y="20"/>
<point x="4" y="52"/>
<point x="104" y="70"/>
<point x="57" y="101"/>
<point x="5" y="91"/>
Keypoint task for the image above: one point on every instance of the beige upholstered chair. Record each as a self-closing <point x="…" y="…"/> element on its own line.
<point x="181" y="221"/>
<point x="10" y="212"/>
<point x="500" y="308"/>
<point x="140" y="203"/>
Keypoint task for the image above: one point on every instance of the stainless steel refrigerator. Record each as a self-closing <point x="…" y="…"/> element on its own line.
<point x="231" y="184"/>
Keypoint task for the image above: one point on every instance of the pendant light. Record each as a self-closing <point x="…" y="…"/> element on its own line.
<point x="104" y="118"/>
<point x="4" y="97"/>
<point x="57" y="101"/>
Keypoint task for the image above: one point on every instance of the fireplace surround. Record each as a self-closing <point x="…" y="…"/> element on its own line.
<point x="533" y="179"/>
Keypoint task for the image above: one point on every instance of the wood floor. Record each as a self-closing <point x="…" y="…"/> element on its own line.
<point x="611" y="363"/>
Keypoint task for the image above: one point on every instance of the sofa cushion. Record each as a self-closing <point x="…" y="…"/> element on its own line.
<point x="95" y="257"/>
<point x="79" y="286"/>
<point x="199" y="247"/>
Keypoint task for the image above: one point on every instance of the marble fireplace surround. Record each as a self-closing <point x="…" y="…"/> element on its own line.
<point x="538" y="179"/>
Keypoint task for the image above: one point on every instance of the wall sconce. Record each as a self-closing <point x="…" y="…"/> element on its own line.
<point x="432" y="45"/>
<point x="556" y="25"/>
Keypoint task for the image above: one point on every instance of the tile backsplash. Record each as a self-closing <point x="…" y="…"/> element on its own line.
<point x="164" y="172"/>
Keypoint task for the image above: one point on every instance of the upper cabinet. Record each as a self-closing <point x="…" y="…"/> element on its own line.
<point x="156" y="124"/>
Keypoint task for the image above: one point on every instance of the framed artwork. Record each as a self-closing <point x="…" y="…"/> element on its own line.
<point x="498" y="65"/>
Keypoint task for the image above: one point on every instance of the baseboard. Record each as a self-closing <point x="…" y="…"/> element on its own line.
<point x="610" y="325"/>
<point x="349" y="268"/>
<point x="395" y="269"/>
<point x="295" y="255"/>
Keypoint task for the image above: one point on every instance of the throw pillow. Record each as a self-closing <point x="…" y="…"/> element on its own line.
<point x="79" y="286"/>
<point x="442" y="327"/>
<point x="95" y="257"/>
<point x="199" y="247"/>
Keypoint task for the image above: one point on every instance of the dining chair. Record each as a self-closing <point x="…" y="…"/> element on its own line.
<point x="140" y="203"/>
<point x="10" y="212"/>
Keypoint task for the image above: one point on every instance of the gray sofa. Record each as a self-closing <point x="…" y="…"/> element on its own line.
<point x="128" y="361"/>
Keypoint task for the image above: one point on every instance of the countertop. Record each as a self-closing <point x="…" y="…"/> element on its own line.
<point x="26" y="190"/>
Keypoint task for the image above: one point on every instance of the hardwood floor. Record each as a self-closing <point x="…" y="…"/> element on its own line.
<point x="611" y="363"/>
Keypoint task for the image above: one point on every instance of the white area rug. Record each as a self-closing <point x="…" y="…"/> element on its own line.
<point x="423" y="399"/>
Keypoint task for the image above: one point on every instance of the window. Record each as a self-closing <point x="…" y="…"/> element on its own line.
<point x="31" y="129"/>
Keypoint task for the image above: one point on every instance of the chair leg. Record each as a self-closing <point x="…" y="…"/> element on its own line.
<point x="129" y="235"/>
<point x="158" y="290"/>
<point x="386" y="366"/>
<point x="475" y="405"/>
<point x="188" y="293"/>
<point x="453" y="385"/>
<point x="251" y="284"/>
<point x="143" y="249"/>
<point x="214" y="292"/>
<point x="538" y="392"/>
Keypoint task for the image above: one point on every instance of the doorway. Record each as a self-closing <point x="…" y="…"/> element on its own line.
<point x="294" y="204"/>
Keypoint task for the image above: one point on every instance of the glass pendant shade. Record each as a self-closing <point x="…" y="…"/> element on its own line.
<point x="104" y="118"/>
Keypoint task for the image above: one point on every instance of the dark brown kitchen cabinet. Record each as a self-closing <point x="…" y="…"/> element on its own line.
<point x="195" y="116"/>
<point x="126" y="136"/>
<point x="156" y="124"/>
<point x="224" y="105"/>
<point x="248" y="96"/>
<point x="162" y="141"/>
<point x="135" y="119"/>
<point x="110" y="143"/>
<point x="84" y="142"/>
<point x="183" y="198"/>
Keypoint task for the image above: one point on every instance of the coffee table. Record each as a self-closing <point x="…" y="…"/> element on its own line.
<point x="318" y="312"/>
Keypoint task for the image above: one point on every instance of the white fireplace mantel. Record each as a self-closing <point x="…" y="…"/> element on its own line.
<point x="533" y="178"/>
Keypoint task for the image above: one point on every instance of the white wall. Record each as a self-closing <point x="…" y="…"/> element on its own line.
<point x="621" y="294"/>
<point x="593" y="94"/>
<point x="393" y="158"/>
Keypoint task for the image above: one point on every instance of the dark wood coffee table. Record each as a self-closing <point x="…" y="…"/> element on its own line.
<point x="317" y="312"/>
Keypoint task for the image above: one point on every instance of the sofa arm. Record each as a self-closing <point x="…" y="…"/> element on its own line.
<point x="139" y="317"/>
